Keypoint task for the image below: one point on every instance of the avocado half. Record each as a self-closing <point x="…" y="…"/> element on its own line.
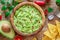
<point x="10" y="34"/>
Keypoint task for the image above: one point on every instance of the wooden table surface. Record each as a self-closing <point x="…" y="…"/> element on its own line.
<point x="40" y="34"/>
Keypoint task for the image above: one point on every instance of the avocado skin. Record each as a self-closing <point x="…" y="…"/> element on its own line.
<point x="9" y="35"/>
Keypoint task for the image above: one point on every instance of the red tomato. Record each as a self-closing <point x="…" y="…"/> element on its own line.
<point x="18" y="38"/>
<point x="46" y="12"/>
<point x="0" y="17"/>
<point x="40" y="3"/>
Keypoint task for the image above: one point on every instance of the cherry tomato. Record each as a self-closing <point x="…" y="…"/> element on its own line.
<point x="0" y="17"/>
<point x="40" y="3"/>
<point x="18" y="38"/>
<point x="46" y="12"/>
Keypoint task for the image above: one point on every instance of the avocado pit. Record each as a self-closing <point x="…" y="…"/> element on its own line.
<point x="6" y="28"/>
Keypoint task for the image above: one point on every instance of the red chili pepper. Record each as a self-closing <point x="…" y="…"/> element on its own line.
<point x="46" y="12"/>
<point x="18" y="38"/>
<point x="0" y="17"/>
<point x="40" y="3"/>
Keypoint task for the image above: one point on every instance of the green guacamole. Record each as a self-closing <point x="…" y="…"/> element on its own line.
<point x="27" y="19"/>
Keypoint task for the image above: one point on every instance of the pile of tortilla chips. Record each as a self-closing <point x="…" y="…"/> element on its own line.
<point x="53" y="32"/>
<point x="34" y="38"/>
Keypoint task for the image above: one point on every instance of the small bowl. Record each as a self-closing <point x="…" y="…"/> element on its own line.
<point x="17" y="7"/>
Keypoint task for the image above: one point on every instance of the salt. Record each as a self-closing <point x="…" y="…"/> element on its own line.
<point x="50" y="17"/>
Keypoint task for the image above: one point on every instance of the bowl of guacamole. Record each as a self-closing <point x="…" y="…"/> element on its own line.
<point x="27" y="18"/>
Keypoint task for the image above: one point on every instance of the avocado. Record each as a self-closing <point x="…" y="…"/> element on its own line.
<point x="6" y="29"/>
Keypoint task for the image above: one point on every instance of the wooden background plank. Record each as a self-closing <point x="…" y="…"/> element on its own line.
<point x="40" y="34"/>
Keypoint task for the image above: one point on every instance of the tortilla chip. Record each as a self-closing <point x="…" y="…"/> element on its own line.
<point x="34" y="38"/>
<point x="48" y="34"/>
<point x="53" y="29"/>
<point x="46" y="38"/>
<point x="58" y="26"/>
<point x="54" y="39"/>
<point x="58" y="37"/>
